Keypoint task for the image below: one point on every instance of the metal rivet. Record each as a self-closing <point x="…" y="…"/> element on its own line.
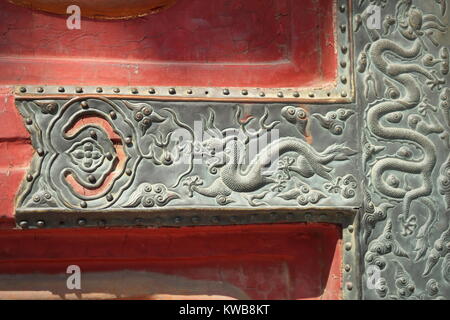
<point x="350" y="228"/>
<point x="84" y="104"/>
<point x="347" y="268"/>
<point x="36" y="198"/>
<point x="344" y="49"/>
<point x="109" y="197"/>
<point x="244" y="92"/>
<point x="116" y="90"/>
<point x="348" y="246"/>
<point x="82" y="222"/>
<point x="83" y="204"/>
<point x="93" y="134"/>
<point x="172" y="91"/>
<point x="109" y="156"/>
<point x="23" y="224"/>
<point x="101" y="223"/>
<point x="342" y="8"/>
<point x="226" y="92"/>
<point x="343" y="28"/>
<point x="128" y="140"/>
<point x="311" y="95"/>
<point x="128" y="172"/>
<point x="280" y="94"/>
<point x="99" y="90"/>
<point x="40" y="90"/>
<point x="151" y="91"/>
<point x="23" y="89"/>
<point x="343" y="64"/>
<point x="296" y="94"/>
<point x="349" y="286"/>
<point x="113" y="115"/>
<point x="189" y="91"/>
<point x="28" y="121"/>
<point x="344" y="79"/>
<point x="78" y="90"/>
<point x="40" y="152"/>
<point x="29" y="177"/>
<point x="91" y="178"/>
<point x="262" y="94"/>
<point x="40" y="223"/>
<point x="134" y="91"/>
<point x="215" y="219"/>
<point x="61" y="89"/>
<point x="343" y="94"/>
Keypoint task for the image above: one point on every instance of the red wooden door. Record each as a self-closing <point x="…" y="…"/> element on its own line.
<point x="205" y="44"/>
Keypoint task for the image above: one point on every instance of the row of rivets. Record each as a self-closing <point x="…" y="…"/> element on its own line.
<point x="173" y="91"/>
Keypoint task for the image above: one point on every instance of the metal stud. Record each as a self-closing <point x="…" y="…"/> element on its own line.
<point x="109" y="156"/>
<point x="343" y="28"/>
<point x="93" y="134"/>
<point x="23" y="89"/>
<point x="28" y="121"/>
<point x="349" y="286"/>
<point x="226" y="92"/>
<point x="296" y="94"/>
<point x="29" y="177"/>
<point x="189" y="91"/>
<point x="172" y="91"/>
<point x="344" y="79"/>
<point x="350" y="228"/>
<point x="244" y="92"/>
<point x="91" y="178"/>
<point x="78" y="90"/>
<point x="109" y="197"/>
<point x="344" y="49"/>
<point x="84" y="104"/>
<point x="343" y="94"/>
<point x="40" y="152"/>
<point x="82" y="222"/>
<point x="128" y="140"/>
<point x="262" y="94"/>
<point x="347" y="268"/>
<point x="311" y="95"/>
<point x="113" y="115"/>
<point x="134" y="91"/>
<point x="40" y="223"/>
<point x="99" y="90"/>
<point x="23" y="224"/>
<point x="280" y="94"/>
<point x="151" y="91"/>
<point x="348" y="246"/>
<point x="116" y="90"/>
<point x="40" y="89"/>
<point x="342" y="8"/>
<point x="343" y="64"/>
<point x="61" y="89"/>
<point x="128" y="172"/>
<point x="83" y="204"/>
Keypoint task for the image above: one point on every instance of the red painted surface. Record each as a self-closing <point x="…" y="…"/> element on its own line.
<point x="257" y="43"/>
<point x="196" y="42"/>
<point x="293" y="261"/>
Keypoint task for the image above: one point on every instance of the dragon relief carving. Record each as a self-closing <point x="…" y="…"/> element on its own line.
<point x="115" y="153"/>
<point x="406" y="129"/>
<point x="229" y="150"/>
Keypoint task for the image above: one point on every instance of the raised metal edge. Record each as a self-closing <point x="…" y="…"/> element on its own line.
<point x="341" y="92"/>
<point x="346" y="217"/>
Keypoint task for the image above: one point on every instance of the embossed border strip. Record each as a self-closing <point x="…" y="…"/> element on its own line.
<point x="342" y="91"/>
